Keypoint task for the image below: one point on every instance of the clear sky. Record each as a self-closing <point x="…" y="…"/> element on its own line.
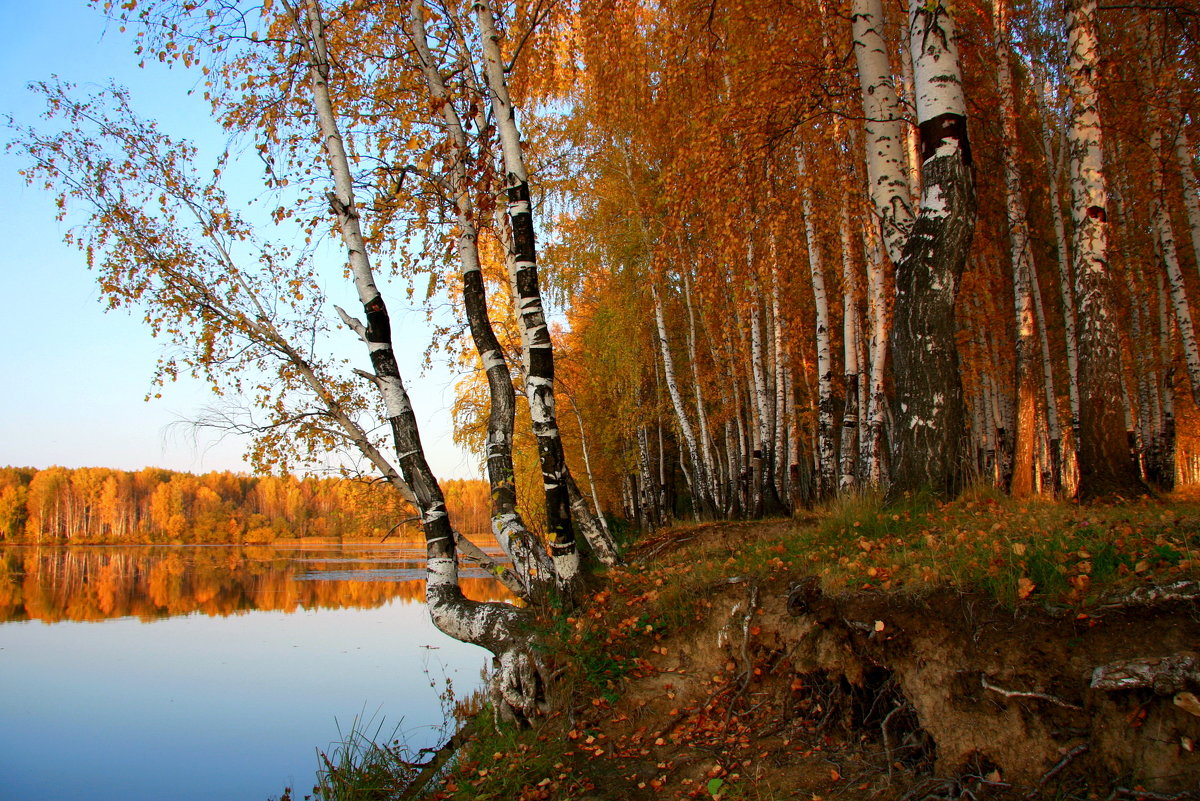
<point x="74" y="377"/>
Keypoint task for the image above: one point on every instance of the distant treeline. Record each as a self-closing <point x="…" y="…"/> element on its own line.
<point x="99" y="504"/>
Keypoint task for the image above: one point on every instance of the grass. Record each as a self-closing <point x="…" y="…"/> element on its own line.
<point x="363" y="765"/>
<point x="1017" y="551"/>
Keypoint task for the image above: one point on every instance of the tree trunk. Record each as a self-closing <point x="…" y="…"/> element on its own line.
<point x="826" y="449"/>
<point x="1165" y="235"/>
<point x="850" y="341"/>
<point x="886" y="171"/>
<point x="1062" y="250"/>
<point x="535" y="335"/>
<point x="1167" y="432"/>
<point x="1025" y="380"/>
<point x="698" y="478"/>
<point x="1105" y="468"/>
<point x="927" y="407"/>
<point x="519" y="679"/>
<point x="522" y="547"/>
<point x="880" y="335"/>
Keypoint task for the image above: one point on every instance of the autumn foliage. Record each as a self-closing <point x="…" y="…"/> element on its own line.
<point x="96" y="504"/>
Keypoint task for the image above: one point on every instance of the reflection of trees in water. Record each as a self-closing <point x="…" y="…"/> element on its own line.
<point x="53" y="584"/>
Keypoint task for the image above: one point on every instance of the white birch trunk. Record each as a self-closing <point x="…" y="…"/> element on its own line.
<point x="877" y="402"/>
<point x="850" y="327"/>
<point x="1104" y="464"/>
<point x="1185" y="159"/>
<point x="1062" y="250"/>
<point x="1167" y="431"/>
<point x="521" y="546"/>
<point x="698" y="477"/>
<point x="706" y="443"/>
<point x="826" y="450"/>
<point x="886" y="171"/>
<point x="535" y="336"/>
<point x="519" y="684"/>
<point x="779" y="361"/>
<point x="912" y="149"/>
<point x="1170" y="258"/>
<point x="1053" y="426"/>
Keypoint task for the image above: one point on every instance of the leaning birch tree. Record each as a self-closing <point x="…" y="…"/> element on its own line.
<point x="508" y="526"/>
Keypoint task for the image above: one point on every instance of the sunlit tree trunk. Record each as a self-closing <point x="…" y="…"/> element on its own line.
<point x="1185" y="159"/>
<point x="527" y="555"/>
<point x="886" y="164"/>
<point x="826" y="449"/>
<point x="1105" y="467"/>
<point x="877" y="401"/>
<point x="706" y="443"/>
<point x="1053" y="426"/>
<point x="519" y="679"/>
<point x="1062" y="251"/>
<point x="535" y="335"/>
<point x="850" y="336"/>
<point x="779" y="362"/>
<point x="1170" y="258"/>
<point x="912" y="150"/>
<point x="1167" y="431"/>
<point x="1025" y="382"/>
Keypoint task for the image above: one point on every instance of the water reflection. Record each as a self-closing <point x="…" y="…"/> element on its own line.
<point x="54" y="584"/>
<point x="216" y="671"/>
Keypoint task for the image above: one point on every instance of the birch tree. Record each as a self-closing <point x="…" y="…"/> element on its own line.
<point x="930" y="249"/>
<point x="1105" y="467"/>
<point x="507" y="524"/>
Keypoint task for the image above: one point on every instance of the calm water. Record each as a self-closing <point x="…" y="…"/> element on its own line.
<point x="210" y="673"/>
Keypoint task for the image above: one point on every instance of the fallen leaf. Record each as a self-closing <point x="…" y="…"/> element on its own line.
<point x="1189" y="703"/>
<point x="879" y="625"/>
<point x="1025" y="588"/>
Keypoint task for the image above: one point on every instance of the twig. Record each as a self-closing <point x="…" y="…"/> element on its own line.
<point x="1069" y="757"/>
<point x="1146" y="795"/>
<point x="416" y="788"/>
<point x="887" y="744"/>
<point x="987" y="685"/>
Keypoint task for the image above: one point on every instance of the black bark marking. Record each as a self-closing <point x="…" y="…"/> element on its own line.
<point x="945" y="126"/>
<point x="379" y="325"/>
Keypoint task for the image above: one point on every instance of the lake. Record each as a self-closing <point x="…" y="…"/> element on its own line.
<point x="212" y="673"/>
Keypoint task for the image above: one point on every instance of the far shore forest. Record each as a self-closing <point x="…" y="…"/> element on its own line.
<point x="152" y="505"/>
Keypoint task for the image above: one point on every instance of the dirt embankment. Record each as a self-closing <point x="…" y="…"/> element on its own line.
<point x="779" y="691"/>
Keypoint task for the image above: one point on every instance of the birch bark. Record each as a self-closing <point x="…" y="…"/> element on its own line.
<point x="1167" y="432"/>
<point x="1170" y="259"/>
<point x="1185" y="159"/>
<point x="850" y="427"/>
<point x="535" y="335"/>
<point x="699" y="475"/>
<point x="519" y="684"/>
<point x="886" y="174"/>
<point x="1023" y="267"/>
<point x="826" y="450"/>
<point x="526" y="553"/>
<point x="1105" y="467"/>
<point x="927" y="407"/>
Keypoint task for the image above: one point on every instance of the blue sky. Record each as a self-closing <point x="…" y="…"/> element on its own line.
<point x="74" y="377"/>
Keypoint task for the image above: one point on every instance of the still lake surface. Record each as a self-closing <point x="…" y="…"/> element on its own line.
<point x="212" y="673"/>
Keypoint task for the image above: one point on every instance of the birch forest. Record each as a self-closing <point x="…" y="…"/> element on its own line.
<point x="706" y="260"/>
